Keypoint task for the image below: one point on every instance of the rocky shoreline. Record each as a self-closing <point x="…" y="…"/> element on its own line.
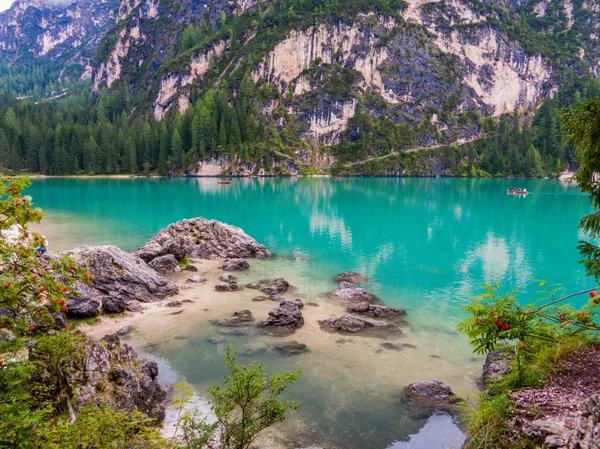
<point x="126" y="283"/>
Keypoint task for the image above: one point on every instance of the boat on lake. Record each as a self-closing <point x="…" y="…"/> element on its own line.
<point x="517" y="192"/>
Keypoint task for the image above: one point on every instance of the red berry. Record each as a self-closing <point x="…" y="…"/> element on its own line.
<point x="60" y="302"/>
<point x="1" y="362"/>
<point x="7" y="285"/>
<point x="41" y="312"/>
<point x="68" y="328"/>
<point x="90" y="277"/>
<point x="64" y="309"/>
<point x="42" y="289"/>
<point x="31" y="328"/>
<point x="592" y="294"/>
<point x="64" y="290"/>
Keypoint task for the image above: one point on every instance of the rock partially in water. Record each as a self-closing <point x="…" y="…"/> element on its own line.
<point x="118" y="275"/>
<point x="253" y="286"/>
<point x="166" y="264"/>
<point x="195" y="279"/>
<point x="227" y="277"/>
<point x="285" y="317"/>
<point x="235" y="265"/>
<point x="239" y="318"/>
<point x="124" y="330"/>
<point x="199" y="238"/>
<point x="227" y="287"/>
<point x="351" y="276"/>
<point x="275" y="287"/>
<point x="83" y="308"/>
<point x="432" y="394"/>
<point x="376" y="310"/>
<point x="111" y="372"/>
<point x="291" y="348"/>
<point x="497" y="365"/>
<point x="347" y="291"/>
<point x="349" y="323"/>
<point x="260" y="298"/>
<point x="111" y="304"/>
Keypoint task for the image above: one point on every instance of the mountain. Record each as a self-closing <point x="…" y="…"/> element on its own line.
<point x="415" y="87"/>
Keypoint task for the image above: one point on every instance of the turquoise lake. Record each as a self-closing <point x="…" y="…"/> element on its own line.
<point x="427" y="245"/>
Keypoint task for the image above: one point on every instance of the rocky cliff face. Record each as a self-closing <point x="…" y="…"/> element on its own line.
<point x="46" y="30"/>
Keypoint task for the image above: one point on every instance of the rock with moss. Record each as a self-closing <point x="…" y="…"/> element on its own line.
<point x="112" y="373"/>
<point x="199" y="238"/>
<point x="432" y="394"/>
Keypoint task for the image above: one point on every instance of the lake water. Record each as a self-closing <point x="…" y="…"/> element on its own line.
<point x="426" y="244"/>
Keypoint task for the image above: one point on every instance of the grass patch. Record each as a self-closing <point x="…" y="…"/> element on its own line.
<point x="184" y="262"/>
<point x="73" y="323"/>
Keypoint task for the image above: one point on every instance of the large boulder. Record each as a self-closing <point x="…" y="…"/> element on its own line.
<point x="111" y="372"/>
<point x="276" y="287"/>
<point x="375" y="310"/>
<point x="166" y="264"/>
<point x="349" y="323"/>
<point x="347" y="291"/>
<point x="285" y="317"/>
<point x="199" y="238"/>
<point x="235" y="265"/>
<point x="119" y="275"/>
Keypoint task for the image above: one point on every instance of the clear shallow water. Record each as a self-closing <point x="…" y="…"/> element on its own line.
<point x="427" y="245"/>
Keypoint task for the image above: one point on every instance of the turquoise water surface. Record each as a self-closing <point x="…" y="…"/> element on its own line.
<point x="427" y="245"/>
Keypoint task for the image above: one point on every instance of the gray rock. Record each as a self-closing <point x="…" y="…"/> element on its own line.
<point x="286" y="317"/>
<point x="119" y="275"/>
<point x="253" y="285"/>
<point x="166" y="264"/>
<point x="240" y="318"/>
<point x="351" y="276"/>
<point x="110" y="372"/>
<point x="349" y="323"/>
<point x="202" y="239"/>
<point x="124" y="331"/>
<point x="235" y="265"/>
<point x="291" y="348"/>
<point x="134" y="306"/>
<point x="190" y="268"/>
<point x="376" y="310"/>
<point x="227" y="277"/>
<point x="227" y="287"/>
<point x="260" y="298"/>
<point x="195" y="279"/>
<point x="111" y="304"/>
<point x="347" y="291"/>
<point x="6" y="312"/>
<point x="497" y="365"/>
<point x="174" y="303"/>
<point x="83" y="308"/>
<point x="276" y="286"/>
<point x="432" y="394"/>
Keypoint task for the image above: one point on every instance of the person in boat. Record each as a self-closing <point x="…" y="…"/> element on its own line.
<point x="42" y="247"/>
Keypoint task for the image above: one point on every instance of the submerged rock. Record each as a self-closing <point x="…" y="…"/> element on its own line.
<point x="347" y="291"/>
<point x="228" y="277"/>
<point x="235" y="265"/>
<point x="111" y="372"/>
<point x="275" y="287"/>
<point x="200" y="238"/>
<point x="118" y="278"/>
<point x="291" y="348"/>
<point x="253" y="286"/>
<point x="165" y="264"/>
<point x="260" y="298"/>
<point x="287" y="316"/>
<point x="375" y="310"/>
<point x="349" y="323"/>
<point x="227" y="287"/>
<point x="432" y="394"/>
<point x="195" y="279"/>
<point x="351" y="276"/>
<point x="240" y="318"/>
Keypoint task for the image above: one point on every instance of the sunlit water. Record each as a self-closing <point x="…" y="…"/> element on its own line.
<point x="426" y="244"/>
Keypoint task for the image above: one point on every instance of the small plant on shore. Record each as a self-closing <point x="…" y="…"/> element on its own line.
<point x="246" y="404"/>
<point x="33" y="288"/>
